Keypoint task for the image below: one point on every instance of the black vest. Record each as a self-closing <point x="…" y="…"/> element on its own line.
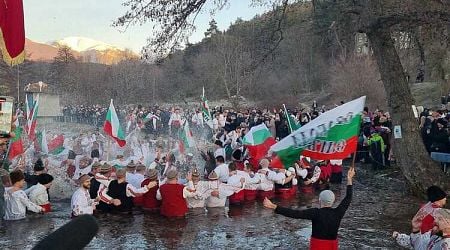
<point x="119" y="191"/>
<point x="93" y="190"/>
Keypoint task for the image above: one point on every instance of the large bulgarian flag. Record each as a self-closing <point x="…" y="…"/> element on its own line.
<point x="112" y="126"/>
<point x="186" y="138"/>
<point x="258" y="141"/>
<point x="41" y="142"/>
<point x="12" y="31"/>
<point x="32" y="106"/>
<point x="332" y="135"/>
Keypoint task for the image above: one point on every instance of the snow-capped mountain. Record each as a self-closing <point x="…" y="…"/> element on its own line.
<point x="85" y="49"/>
<point x="82" y="44"/>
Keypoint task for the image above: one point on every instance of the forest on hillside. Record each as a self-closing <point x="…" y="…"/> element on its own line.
<point x="270" y="59"/>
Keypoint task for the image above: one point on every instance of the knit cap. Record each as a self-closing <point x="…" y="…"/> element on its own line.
<point x="326" y="197"/>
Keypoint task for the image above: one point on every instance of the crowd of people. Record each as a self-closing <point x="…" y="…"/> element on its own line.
<point x="153" y="174"/>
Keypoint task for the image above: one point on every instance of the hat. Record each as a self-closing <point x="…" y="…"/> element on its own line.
<point x="237" y="154"/>
<point x="442" y="218"/>
<point x="39" y="165"/>
<point x="264" y="163"/>
<point x="172" y="174"/>
<point x="195" y="172"/>
<point x="44" y="179"/>
<point x="190" y="155"/>
<point x="152" y="174"/>
<point x="140" y="167"/>
<point x="83" y="178"/>
<point x="105" y="168"/>
<point x="305" y="161"/>
<point x="96" y="165"/>
<point x="16" y="176"/>
<point x="435" y="193"/>
<point x="131" y="164"/>
<point x="213" y="176"/>
<point x="121" y="172"/>
<point x="326" y="197"/>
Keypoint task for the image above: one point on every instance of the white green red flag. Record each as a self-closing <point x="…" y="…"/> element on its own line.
<point x="56" y="145"/>
<point x="186" y="139"/>
<point x="41" y="142"/>
<point x="205" y="110"/>
<point x="258" y="141"/>
<point x="32" y="106"/>
<point x="293" y="125"/>
<point x="16" y="145"/>
<point x="332" y="135"/>
<point x="112" y="126"/>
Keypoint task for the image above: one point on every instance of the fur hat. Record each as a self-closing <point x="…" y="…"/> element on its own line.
<point x="39" y="165"/>
<point x="435" y="193"/>
<point x="326" y="197"/>
<point x="213" y="176"/>
<point x="152" y="174"/>
<point x="83" y="178"/>
<point x="105" y="168"/>
<point x="16" y="176"/>
<point x="44" y="179"/>
<point x="121" y="173"/>
<point x="237" y="154"/>
<point x="195" y="172"/>
<point x="172" y="174"/>
<point x="140" y="167"/>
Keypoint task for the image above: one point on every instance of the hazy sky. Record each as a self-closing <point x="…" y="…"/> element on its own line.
<point x="48" y="20"/>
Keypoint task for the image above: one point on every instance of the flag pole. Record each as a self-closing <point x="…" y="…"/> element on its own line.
<point x="109" y="149"/>
<point x="353" y="161"/>
<point x="287" y="117"/>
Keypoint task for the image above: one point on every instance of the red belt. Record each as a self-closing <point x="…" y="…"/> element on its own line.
<point x="317" y="244"/>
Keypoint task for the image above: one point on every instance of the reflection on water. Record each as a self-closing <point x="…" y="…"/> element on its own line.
<point x="379" y="206"/>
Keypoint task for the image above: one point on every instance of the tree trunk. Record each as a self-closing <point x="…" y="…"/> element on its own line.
<point x="412" y="158"/>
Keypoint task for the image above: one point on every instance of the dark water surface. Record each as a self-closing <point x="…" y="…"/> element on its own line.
<point x="380" y="205"/>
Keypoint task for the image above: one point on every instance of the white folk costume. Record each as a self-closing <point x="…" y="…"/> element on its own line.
<point x="38" y="194"/>
<point x="251" y="182"/>
<point x="82" y="203"/>
<point x="224" y="191"/>
<point x="222" y="172"/>
<point x="135" y="179"/>
<point x="17" y="203"/>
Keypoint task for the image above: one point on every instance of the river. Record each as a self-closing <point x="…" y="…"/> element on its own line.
<point x="380" y="205"/>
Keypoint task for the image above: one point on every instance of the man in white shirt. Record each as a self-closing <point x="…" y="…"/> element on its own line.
<point x="81" y="202"/>
<point x="222" y="169"/>
<point x="219" y="150"/>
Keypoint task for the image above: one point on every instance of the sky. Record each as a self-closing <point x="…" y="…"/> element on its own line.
<point x="50" y="20"/>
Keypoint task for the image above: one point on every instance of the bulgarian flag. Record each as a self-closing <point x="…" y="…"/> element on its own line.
<point x="56" y="145"/>
<point x="112" y="126"/>
<point x="186" y="138"/>
<point x="41" y="142"/>
<point x="205" y="110"/>
<point x="332" y="135"/>
<point x="293" y="125"/>
<point x="16" y="145"/>
<point x="12" y="31"/>
<point x="32" y="107"/>
<point x="258" y="141"/>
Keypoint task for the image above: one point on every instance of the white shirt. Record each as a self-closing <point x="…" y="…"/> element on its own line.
<point x="81" y="202"/>
<point x="17" y="203"/>
<point x="186" y="192"/>
<point x="219" y="152"/>
<point x="251" y="183"/>
<point x="135" y="179"/>
<point x="224" y="191"/>
<point x="38" y="194"/>
<point x="175" y="117"/>
<point x="222" y="172"/>
<point x="198" y="200"/>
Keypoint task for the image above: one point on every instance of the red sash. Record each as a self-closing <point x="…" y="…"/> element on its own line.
<point x="238" y="197"/>
<point x="47" y="207"/>
<point x="317" y="244"/>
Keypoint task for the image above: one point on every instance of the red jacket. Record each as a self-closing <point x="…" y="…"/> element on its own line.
<point x="173" y="203"/>
<point x="149" y="200"/>
<point x="427" y="222"/>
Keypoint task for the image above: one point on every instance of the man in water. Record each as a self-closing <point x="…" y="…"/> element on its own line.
<point x="325" y="220"/>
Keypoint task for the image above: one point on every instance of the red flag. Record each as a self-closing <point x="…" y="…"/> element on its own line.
<point x="12" y="31"/>
<point x="16" y="147"/>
